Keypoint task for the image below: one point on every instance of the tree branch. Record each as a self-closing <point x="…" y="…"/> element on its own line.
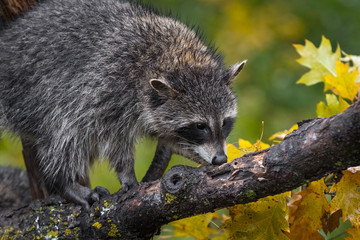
<point x="317" y="148"/>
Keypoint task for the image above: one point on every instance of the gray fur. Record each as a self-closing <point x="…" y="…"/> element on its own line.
<point x="74" y="79"/>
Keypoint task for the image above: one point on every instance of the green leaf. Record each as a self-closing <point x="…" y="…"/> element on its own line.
<point x="339" y="233"/>
<point x="320" y="60"/>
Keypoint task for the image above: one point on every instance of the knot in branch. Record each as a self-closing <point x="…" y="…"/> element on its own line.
<point x="179" y="178"/>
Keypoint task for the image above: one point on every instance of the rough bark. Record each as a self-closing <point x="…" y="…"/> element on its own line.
<point x="317" y="148"/>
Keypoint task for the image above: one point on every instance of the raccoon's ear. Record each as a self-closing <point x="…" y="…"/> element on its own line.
<point x="163" y="88"/>
<point x="232" y="72"/>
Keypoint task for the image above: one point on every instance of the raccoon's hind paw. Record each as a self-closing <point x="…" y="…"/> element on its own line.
<point x="84" y="196"/>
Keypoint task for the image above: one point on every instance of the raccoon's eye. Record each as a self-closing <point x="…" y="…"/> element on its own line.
<point x="197" y="133"/>
<point x="201" y="126"/>
<point x="227" y="126"/>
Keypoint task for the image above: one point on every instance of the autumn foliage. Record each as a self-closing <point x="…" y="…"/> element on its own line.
<point x="324" y="209"/>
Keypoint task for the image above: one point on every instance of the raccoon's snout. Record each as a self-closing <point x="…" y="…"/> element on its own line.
<point x="219" y="159"/>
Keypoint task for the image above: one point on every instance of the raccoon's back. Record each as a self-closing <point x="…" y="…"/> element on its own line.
<point x="58" y="39"/>
<point x="64" y="56"/>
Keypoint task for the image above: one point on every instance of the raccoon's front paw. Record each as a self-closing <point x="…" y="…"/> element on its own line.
<point x="98" y="192"/>
<point x="127" y="186"/>
<point x="128" y="180"/>
<point x="102" y="191"/>
<point x="83" y="196"/>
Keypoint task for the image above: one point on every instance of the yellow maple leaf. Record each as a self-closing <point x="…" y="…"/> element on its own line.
<point x="347" y="196"/>
<point x="281" y="135"/>
<point x="196" y="226"/>
<point x="264" y="219"/>
<point x="333" y="106"/>
<point x="342" y="82"/>
<point x="307" y="209"/>
<point x="244" y="143"/>
<point x="232" y="152"/>
<point x="261" y="145"/>
<point x="320" y="60"/>
<point x="244" y="148"/>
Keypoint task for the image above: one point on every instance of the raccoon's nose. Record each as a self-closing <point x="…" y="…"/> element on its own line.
<point x="219" y="159"/>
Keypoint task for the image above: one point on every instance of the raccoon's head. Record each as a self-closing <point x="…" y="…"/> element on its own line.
<point x="193" y="112"/>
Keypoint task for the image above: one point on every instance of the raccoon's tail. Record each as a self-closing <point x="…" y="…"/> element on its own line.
<point x="11" y="9"/>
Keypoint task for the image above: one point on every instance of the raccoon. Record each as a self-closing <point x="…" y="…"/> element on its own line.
<point x="85" y="79"/>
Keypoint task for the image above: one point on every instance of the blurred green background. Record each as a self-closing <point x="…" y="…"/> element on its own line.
<point x="262" y="32"/>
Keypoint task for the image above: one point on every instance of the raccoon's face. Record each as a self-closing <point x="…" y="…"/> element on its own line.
<point x="205" y="141"/>
<point x="194" y="116"/>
